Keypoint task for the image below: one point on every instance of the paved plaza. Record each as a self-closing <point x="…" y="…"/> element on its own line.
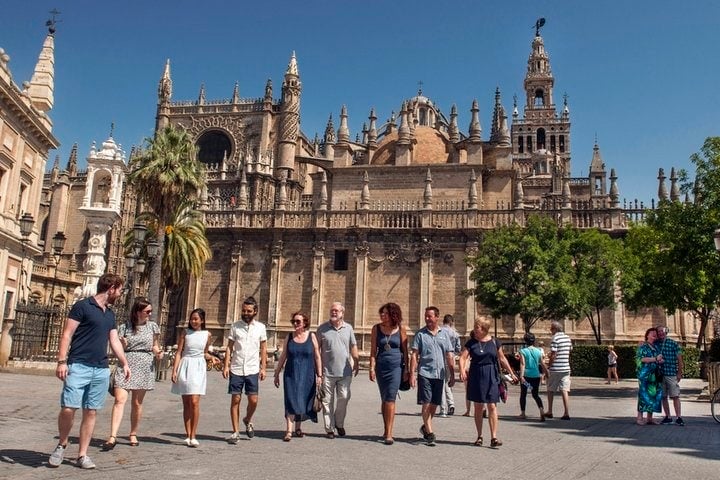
<point x="601" y="440"/>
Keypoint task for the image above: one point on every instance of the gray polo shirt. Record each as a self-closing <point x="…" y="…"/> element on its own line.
<point x="335" y="345"/>
<point x="432" y="350"/>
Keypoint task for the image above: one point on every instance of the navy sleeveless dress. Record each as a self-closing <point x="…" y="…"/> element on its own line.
<point x="299" y="380"/>
<point x="388" y="365"/>
<point x="483" y="376"/>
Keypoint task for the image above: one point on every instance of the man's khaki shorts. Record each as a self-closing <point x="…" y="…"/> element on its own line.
<point x="558" y="382"/>
<point x="671" y="386"/>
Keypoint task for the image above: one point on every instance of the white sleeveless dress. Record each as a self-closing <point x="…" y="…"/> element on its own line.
<point x="192" y="372"/>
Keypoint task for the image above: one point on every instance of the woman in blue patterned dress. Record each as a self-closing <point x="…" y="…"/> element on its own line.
<point x="650" y="394"/>
<point x="389" y="354"/>
<point x="301" y="360"/>
<point x="139" y="338"/>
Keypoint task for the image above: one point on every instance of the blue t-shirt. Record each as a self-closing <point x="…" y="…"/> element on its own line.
<point x="89" y="343"/>
<point x="431" y="352"/>
<point x="533" y="357"/>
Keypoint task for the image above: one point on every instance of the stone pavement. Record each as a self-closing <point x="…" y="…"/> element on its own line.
<point x="601" y="440"/>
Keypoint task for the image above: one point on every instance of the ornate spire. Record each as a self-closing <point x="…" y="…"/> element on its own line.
<point x="323" y="191"/>
<point x="165" y="85"/>
<point x="566" y="195"/>
<point x="404" y="129"/>
<point x="365" y="193"/>
<point x="292" y="68"/>
<point x="236" y="93"/>
<point x="72" y="161"/>
<point x="42" y="83"/>
<point x="453" y="131"/>
<point x="329" y="137"/>
<point x="201" y="95"/>
<point x="596" y="164"/>
<point x="519" y="195"/>
<point x="674" y="188"/>
<point x="243" y="194"/>
<point x="662" y="191"/>
<point x="472" y="191"/>
<point x="475" y="130"/>
<point x="614" y="191"/>
<point x="372" y="132"/>
<point x="343" y="135"/>
<point x="268" y="91"/>
<point x="290" y="121"/>
<point x="500" y="133"/>
<point x="427" y="194"/>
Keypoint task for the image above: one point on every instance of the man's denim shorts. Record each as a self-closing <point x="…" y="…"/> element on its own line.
<point x="85" y="387"/>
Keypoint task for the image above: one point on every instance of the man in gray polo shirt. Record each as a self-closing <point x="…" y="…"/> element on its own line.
<point x="337" y="346"/>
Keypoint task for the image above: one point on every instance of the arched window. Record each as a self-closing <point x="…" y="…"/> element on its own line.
<point x="540" y="143"/>
<point x="521" y="144"/>
<point x="562" y="143"/>
<point x="213" y="146"/>
<point x="552" y="143"/>
<point x="539" y="97"/>
<point x="529" y="144"/>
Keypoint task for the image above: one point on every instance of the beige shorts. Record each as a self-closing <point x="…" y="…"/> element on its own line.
<point x="558" y="382"/>
<point x="671" y="387"/>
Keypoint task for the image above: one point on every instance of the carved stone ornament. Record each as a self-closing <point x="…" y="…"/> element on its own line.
<point x="319" y="249"/>
<point x="362" y="249"/>
<point x="277" y="248"/>
<point x="234" y="127"/>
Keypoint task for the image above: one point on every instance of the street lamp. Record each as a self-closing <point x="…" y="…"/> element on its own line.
<point x="134" y="263"/>
<point x="58" y="245"/>
<point x="26" y="225"/>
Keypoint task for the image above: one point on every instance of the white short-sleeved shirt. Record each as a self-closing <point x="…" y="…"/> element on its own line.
<point x="246" y="338"/>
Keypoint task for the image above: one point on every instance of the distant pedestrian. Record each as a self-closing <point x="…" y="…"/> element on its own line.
<point x="245" y="362"/>
<point x="303" y="375"/>
<point x="531" y="370"/>
<point x="82" y="365"/>
<point x="672" y="373"/>
<point x="648" y="360"/>
<point x="448" y="402"/>
<point x="388" y="362"/>
<point x="140" y="340"/>
<point x="485" y="356"/>
<point x="189" y="375"/>
<point x="340" y="361"/>
<point x="432" y="355"/>
<point x="612" y="361"/>
<point x="559" y="369"/>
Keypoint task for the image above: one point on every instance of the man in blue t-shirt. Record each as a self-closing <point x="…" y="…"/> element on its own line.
<point x="83" y="365"/>
<point x="672" y="370"/>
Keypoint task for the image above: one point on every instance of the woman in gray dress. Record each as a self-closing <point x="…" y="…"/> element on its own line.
<point x="139" y="338"/>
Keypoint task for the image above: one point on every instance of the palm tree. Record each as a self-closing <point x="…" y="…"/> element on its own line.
<point x="165" y="173"/>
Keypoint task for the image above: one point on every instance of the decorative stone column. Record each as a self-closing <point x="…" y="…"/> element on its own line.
<point x="318" y="284"/>
<point x="362" y="250"/>
<point x="471" y="249"/>
<point x="425" y="250"/>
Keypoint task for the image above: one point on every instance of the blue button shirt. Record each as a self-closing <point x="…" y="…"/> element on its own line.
<point x="432" y="350"/>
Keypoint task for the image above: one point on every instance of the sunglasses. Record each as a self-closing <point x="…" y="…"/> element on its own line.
<point x="147" y="311"/>
<point x="295" y="321"/>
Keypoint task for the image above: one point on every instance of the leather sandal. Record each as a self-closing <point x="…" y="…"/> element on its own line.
<point x="478" y="442"/>
<point x="299" y="433"/>
<point x="287" y="437"/>
<point x="109" y="445"/>
<point x="494" y="443"/>
<point x="133" y="443"/>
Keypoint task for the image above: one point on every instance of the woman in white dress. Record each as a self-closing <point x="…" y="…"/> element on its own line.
<point x="140" y="339"/>
<point x="190" y="371"/>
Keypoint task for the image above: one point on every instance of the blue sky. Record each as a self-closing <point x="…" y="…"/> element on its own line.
<point x="641" y="75"/>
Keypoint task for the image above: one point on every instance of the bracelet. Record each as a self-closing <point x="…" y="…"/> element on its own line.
<point x="62" y="362"/>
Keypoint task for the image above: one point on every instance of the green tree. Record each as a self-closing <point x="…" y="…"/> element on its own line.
<point x="676" y="261"/>
<point x="597" y="261"/>
<point x="523" y="271"/>
<point x="166" y="173"/>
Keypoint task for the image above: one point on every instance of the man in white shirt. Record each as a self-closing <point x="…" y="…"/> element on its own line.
<point x="559" y="369"/>
<point x="245" y="361"/>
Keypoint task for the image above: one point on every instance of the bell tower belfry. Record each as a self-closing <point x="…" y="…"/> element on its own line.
<point x="541" y="127"/>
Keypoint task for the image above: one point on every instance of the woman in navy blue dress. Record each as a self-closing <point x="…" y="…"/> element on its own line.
<point x="483" y="352"/>
<point x="301" y="360"/>
<point x="388" y="360"/>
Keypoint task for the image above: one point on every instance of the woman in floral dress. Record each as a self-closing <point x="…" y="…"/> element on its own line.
<point x="139" y="338"/>
<point x="647" y="359"/>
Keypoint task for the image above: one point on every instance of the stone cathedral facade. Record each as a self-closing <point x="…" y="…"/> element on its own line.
<point x="388" y="213"/>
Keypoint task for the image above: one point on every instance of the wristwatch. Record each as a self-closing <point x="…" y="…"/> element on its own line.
<point x="62" y="361"/>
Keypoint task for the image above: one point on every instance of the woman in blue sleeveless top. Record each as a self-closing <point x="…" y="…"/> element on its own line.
<point x="301" y="360"/>
<point x="531" y="370"/>
<point x="389" y="356"/>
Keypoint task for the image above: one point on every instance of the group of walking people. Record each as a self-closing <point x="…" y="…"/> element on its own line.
<point x="316" y="369"/>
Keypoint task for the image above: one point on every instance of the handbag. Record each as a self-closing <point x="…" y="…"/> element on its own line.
<point x="111" y="383"/>
<point x="404" y="384"/>
<point x="502" y="383"/>
<point x="319" y="397"/>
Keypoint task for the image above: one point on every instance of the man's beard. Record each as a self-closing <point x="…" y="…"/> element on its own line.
<point x="247" y="318"/>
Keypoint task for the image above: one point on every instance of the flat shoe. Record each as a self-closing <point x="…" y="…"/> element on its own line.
<point x="299" y="433"/>
<point x="133" y="443"/>
<point x="478" y="442"/>
<point x="389" y="441"/>
<point x="287" y="437"/>
<point x="495" y="443"/>
<point x="109" y="445"/>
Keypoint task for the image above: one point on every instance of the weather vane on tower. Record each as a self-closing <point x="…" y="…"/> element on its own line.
<point x="538" y="25"/>
<point x="51" y="23"/>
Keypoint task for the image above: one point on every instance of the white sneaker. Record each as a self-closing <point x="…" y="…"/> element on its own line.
<point x="194" y="443"/>
<point x="85" y="463"/>
<point x="234" y="438"/>
<point x="56" y="457"/>
<point x="187" y="441"/>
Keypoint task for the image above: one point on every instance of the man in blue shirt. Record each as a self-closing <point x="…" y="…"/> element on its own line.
<point x="432" y="356"/>
<point x="672" y="368"/>
<point x="83" y="365"/>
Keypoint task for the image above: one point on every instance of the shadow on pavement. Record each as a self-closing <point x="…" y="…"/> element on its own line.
<point x="27" y="458"/>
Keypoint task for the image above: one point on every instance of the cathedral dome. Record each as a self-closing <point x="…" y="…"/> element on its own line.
<point x="429" y="147"/>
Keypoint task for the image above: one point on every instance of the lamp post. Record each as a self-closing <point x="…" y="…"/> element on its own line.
<point x="26" y="225"/>
<point x="134" y="263"/>
<point x="58" y="245"/>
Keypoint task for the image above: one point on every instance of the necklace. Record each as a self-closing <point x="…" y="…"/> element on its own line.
<point x="482" y="345"/>
<point x="387" y="346"/>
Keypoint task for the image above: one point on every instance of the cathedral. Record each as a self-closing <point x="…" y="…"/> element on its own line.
<point x="389" y="214"/>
